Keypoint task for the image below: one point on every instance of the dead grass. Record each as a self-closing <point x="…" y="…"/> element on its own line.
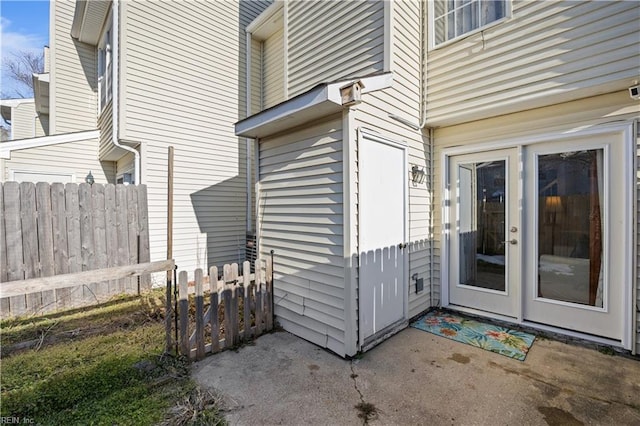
<point x="99" y="365"/>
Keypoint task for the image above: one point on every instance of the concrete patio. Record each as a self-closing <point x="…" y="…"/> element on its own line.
<point x="419" y="378"/>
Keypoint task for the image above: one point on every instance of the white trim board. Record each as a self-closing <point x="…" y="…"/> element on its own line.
<point x="7" y="147"/>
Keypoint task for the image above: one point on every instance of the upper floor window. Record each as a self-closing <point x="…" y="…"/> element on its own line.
<point x="105" y="66"/>
<point x="455" y="18"/>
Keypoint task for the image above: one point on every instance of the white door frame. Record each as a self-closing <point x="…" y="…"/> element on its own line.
<point x="363" y="134"/>
<point x="626" y="129"/>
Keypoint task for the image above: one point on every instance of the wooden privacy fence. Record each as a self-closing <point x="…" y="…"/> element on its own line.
<point x="58" y="282"/>
<point x="215" y="314"/>
<point x="53" y="229"/>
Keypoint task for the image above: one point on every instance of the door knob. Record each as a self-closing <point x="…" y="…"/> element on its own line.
<point x="512" y="241"/>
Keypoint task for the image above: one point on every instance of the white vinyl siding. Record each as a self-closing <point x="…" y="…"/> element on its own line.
<point x="105" y="124"/>
<point x="348" y="43"/>
<point x="74" y="82"/>
<point x="183" y="85"/>
<point x="301" y="218"/>
<point x="548" y="52"/>
<point x="273" y="70"/>
<point x="23" y="121"/>
<point x="77" y="158"/>
<point x="403" y="100"/>
<point x="577" y="114"/>
<point x="637" y="225"/>
<point x="256" y="76"/>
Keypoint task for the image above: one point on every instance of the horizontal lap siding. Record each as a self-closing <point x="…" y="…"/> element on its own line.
<point x="541" y="56"/>
<point x="23" y="121"/>
<point x="73" y="157"/>
<point x="273" y="69"/>
<point x="74" y="79"/>
<point x="403" y="100"/>
<point x="300" y="210"/>
<point x="637" y="223"/>
<point x="183" y="85"/>
<point x="105" y="124"/>
<point x="350" y="41"/>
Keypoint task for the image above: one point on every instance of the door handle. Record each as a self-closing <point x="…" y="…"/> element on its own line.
<point x="512" y="241"/>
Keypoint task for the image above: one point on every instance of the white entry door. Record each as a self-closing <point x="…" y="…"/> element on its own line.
<point x="382" y="186"/>
<point x="576" y="276"/>
<point x="541" y="233"/>
<point x="485" y="235"/>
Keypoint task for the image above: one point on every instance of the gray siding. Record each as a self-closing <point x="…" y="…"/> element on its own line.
<point x="186" y="88"/>
<point x="547" y="53"/>
<point x="350" y="41"/>
<point x="77" y="158"/>
<point x="301" y="219"/>
<point x="74" y="78"/>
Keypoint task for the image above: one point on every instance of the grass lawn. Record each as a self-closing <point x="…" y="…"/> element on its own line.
<point x="101" y="366"/>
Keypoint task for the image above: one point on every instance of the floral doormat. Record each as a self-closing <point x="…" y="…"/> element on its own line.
<point x="501" y="340"/>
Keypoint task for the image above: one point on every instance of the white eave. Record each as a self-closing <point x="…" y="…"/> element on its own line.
<point x="7" y="105"/>
<point x="88" y="19"/>
<point x="320" y="101"/>
<point x="7" y="147"/>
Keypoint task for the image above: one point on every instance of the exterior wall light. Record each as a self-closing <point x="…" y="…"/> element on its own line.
<point x="89" y="179"/>
<point x="417" y="175"/>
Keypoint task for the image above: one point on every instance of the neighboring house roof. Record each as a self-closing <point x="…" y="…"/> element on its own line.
<point x="322" y="100"/>
<point x="7" y="147"/>
<point x="7" y="104"/>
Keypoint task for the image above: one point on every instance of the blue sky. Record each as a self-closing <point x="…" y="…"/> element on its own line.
<point x="24" y="25"/>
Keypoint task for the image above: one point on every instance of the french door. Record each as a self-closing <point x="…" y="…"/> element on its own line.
<point x="540" y="233"/>
<point x="485" y="234"/>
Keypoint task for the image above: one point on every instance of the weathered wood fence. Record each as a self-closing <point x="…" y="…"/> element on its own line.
<point x="53" y="229"/>
<point x="238" y="308"/>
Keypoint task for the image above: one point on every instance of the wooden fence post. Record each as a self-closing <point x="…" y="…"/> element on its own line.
<point x="246" y="272"/>
<point x="168" y="316"/>
<point x="259" y="315"/>
<point x="184" y="313"/>
<point x="213" y="307"/>
<point x="199" y="315"/>
<point x="269" y="295"/>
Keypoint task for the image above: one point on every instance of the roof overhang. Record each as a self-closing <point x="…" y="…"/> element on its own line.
<point x="41" y="92"/>
<point x="88" y="19"/>
<point x="7" y="105"/>
<point x="268" y="22"/>
<point x="7" y="147"/>
<point x="320" y="101"/>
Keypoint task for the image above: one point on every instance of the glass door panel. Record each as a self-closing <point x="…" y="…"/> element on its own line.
<point x="481" y="229"/>
<point x="484" y="252"/>
<point x="570" y="229"/>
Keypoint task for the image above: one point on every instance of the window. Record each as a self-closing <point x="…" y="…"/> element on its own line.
<point x="105" y="67"/>
<point x="455" y="18"/>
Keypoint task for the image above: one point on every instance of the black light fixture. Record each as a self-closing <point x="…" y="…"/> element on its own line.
<point x="89" y="179"/>
<point x="417" y="175"/>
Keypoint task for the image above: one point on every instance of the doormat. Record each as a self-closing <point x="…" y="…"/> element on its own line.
<point x="501" y="340"/>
